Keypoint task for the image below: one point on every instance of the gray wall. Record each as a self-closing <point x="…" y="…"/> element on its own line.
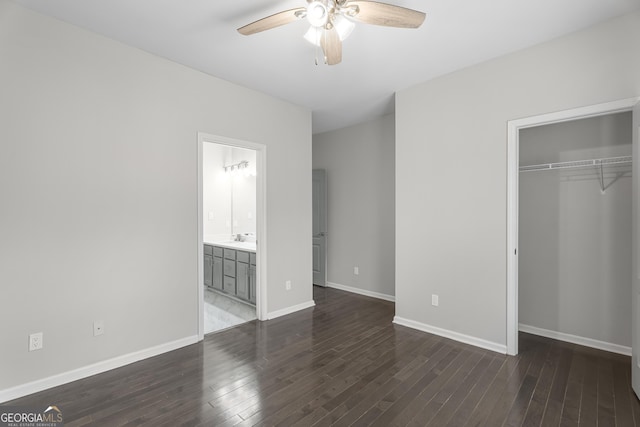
<point x="451" y="152"/>
<point x="360" y="165"/>
<point x="575" y="242"/>
<point x="98" y="182"/>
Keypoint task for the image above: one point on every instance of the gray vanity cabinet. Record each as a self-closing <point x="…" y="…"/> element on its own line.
<point x="231" y="271"/>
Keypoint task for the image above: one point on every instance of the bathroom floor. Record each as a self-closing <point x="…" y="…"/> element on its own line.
<point x="222" y="312"/>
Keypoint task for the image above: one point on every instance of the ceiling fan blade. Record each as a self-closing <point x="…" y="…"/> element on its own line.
<point x="331" y="46"/>
<point x="273" y="21"/>
<point x="388" y="15"/>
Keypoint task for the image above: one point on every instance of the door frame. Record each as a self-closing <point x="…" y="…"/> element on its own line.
<point x="261" y="223"/>
<point x="513" y="165"/>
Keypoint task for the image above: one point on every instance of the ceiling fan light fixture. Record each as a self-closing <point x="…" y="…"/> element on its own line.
<point x="317" y="14"/>
<point x="343" y="26"/>
<point x="313" y="35"/>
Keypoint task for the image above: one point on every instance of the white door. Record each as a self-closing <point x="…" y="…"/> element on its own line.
<point x="319" y="227"/>
<point x="635" y="328"/>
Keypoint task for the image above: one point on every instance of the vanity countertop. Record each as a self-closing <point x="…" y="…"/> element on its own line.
<point x="230" y="244"/>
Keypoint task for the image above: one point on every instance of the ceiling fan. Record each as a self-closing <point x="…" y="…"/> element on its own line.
<point x="333" y="20"/>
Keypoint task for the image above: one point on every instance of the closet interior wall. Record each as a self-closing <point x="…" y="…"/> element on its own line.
<point x="574" y="239"/>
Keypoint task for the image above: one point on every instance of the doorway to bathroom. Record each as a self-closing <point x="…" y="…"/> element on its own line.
<point x="230" y="226"/>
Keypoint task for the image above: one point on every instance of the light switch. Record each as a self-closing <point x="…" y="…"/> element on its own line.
<point x="210" y="216"/>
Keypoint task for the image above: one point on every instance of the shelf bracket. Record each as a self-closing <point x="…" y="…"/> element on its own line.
<point x="602" y="188"/>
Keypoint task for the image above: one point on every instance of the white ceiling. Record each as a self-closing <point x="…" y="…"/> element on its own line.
<point x="377" y="61"/>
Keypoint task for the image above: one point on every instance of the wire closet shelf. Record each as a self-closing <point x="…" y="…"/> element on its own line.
<point x="598" y="163"/>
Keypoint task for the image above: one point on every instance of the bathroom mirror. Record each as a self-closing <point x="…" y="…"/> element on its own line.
<point x="229" y="192"/>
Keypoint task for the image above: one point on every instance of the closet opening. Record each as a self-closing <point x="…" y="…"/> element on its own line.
<point x="570" y="221"/>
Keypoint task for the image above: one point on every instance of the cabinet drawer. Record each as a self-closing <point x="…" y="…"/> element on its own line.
<point x="208" y="250"/>
<point x="252" y="257"/>
<point x="229" y="268"/>
<point x="229" y="253"/>
<point x="230" y="285"/>
<point x="242" y="256"/>
<point x="217" y="251"/>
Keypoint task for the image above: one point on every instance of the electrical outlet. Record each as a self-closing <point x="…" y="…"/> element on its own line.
<point x="287" y="285"/>
<point x="35" y="341"/>
<point x="356" y="270"/>
<point x="210" y="215"/>
<point x="98" y="327"/>
<point x="434" y="300"/>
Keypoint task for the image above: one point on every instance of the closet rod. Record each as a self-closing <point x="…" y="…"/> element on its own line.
<point x="608" y="161"/>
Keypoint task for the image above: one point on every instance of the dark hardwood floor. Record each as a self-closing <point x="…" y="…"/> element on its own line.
<point x="344" y="363"/>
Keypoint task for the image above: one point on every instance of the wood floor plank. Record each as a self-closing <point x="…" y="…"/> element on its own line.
<point x="395" y="403"/>
<point x="589" y="399"/>
<point x="606" y="405"/>
<point x="386" y="367"/>
<point x="522" y="401"/>
<point x="633" y="399"/>
<point x="464" y="411"/>
<point x="445" y="390"/>
<point x="451" y="404"/>
<point x="553" y="411"/>
<point x="348" y="407"/>
<point x="573" y="395"/>
<point x="359" y="366"/>
<point x="344" y="363"/>
<point x="622" y="397"/>
<point x="506" y="381"/>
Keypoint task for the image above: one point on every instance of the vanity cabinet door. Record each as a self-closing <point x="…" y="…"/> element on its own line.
<point x="208" y="270"/>
<point x="217" y="273"/>
<point x="229" y="285"/>
<point x="229" y="268"/>
<point x="242" y="280"/>
<point x="252" y="283"/>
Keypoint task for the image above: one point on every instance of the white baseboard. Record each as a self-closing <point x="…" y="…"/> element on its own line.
<point x="359" y="291"/>
<point x="96" y="368"/>
<point x="574" y="339"/>
<point x="467" y="339"/>
<point x="289" y="310"/>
